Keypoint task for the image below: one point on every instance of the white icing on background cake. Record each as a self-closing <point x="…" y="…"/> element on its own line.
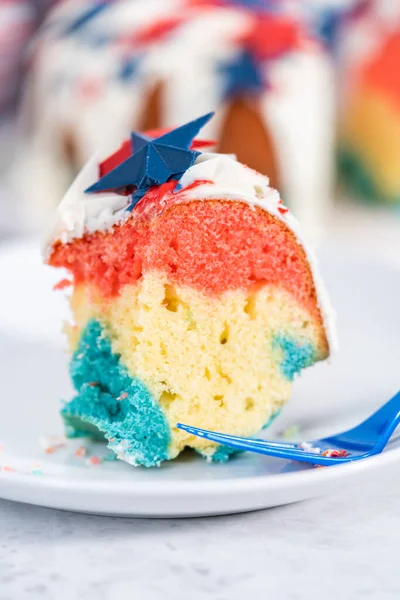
<point x="298" y="108"/>
<point x="80" y="213"/>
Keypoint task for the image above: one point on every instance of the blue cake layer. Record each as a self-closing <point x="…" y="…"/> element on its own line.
<point x="296" y="355"/>
<point x="134" y="424"/>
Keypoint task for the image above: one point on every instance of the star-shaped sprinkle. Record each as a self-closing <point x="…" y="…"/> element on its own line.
<point x="86" y="16"/>
<point x="195" y="145"/>
<point x="125" y="150"/>
<point x="154" y="161"/>
<point x="242" y="75"/>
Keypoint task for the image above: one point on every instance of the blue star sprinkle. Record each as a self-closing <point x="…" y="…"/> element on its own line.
<point x="154" y="161"/>
<point x="86" y="16"/>
<point x="242" y="75"/>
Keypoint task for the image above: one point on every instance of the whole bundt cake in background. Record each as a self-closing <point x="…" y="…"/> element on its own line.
<point x="101" y="68"/>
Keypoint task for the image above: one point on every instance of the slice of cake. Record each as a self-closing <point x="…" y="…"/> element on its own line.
<point x="194" y="298"/>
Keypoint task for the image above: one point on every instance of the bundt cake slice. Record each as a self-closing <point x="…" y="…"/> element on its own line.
<point x="194" y="300"/>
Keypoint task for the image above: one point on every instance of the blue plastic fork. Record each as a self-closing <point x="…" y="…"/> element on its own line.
<point x="366" y="439"/>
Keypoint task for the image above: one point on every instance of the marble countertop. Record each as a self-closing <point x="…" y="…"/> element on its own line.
<point x="336" y="547"/>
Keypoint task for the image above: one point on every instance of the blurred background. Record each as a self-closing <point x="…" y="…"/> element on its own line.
<point x="305" y="91"/>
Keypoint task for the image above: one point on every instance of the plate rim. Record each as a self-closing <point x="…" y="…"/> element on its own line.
<point x="209" y="487"/>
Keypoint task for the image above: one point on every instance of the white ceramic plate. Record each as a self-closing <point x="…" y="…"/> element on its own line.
<point x="326" y="399"/>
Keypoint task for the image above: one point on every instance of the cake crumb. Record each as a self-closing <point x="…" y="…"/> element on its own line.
<point x="94" y="460"/>
<point x="37" y="470"/>
<point x="81" y="452"/>
<point x="51" y="443"/>
<point x="335" y="453"/>
<point x="61" y="285"/>
<point x="307" y="447"/>
<point x="110" y="458"/>
<point x="8" y="469"/>
<point x="291" y="432"/>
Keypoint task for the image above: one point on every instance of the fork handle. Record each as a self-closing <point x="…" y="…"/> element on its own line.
<point x="388" y="412"/>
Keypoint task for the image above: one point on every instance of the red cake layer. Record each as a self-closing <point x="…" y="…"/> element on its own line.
<point x="212" y="245"/>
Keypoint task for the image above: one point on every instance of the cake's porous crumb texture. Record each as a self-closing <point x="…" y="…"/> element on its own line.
<point x="212" y="246"/>
<point x="202" y="314"/>
<point x="225" y="363"/>
<point x="112" y="404"/>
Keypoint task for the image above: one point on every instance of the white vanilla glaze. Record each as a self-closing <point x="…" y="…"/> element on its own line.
<point x="298" y="108"/>
<point x="80" y="213"/>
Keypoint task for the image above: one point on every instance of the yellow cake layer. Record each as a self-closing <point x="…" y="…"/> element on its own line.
<point x="371" y="130"/>
<point x="207" y="360"/>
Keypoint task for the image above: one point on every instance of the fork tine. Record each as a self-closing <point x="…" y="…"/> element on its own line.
<point x="205" y="432"/>
<point x="261" y="447"/>
<point x="233" y="441"/>
<point x="223" y="438"/>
